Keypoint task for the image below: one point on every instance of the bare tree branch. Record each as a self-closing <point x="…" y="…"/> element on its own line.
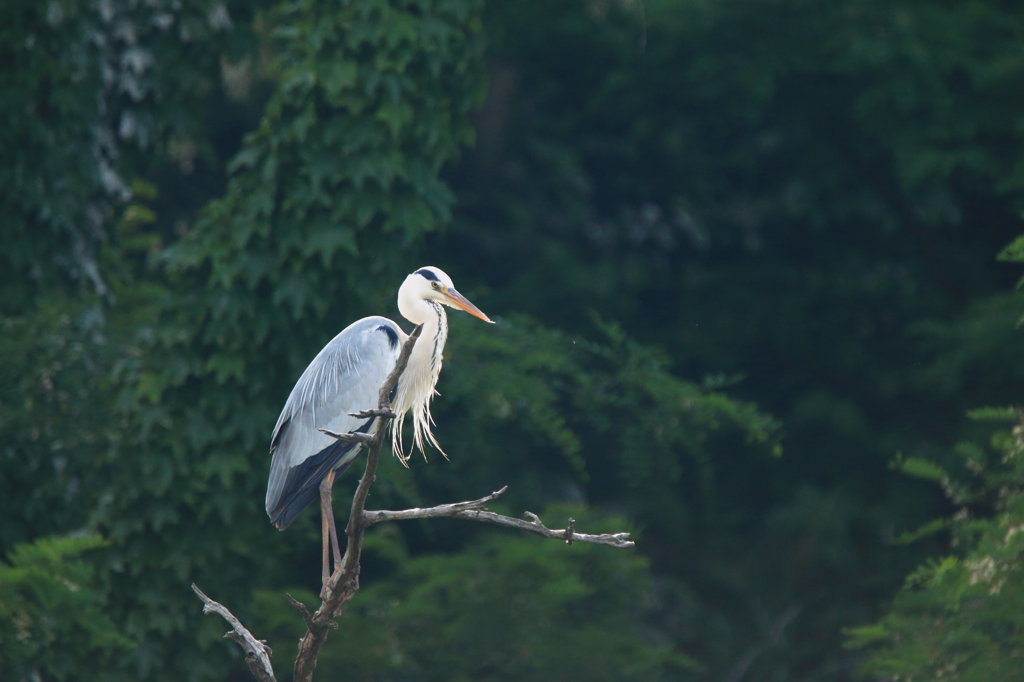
<point x="441" y="510"/>
<point x="569" y="534"/>
<point x="301" y="608"/>
<point x="344" y="583"/>
<point x="257" y="653"/>
<point x="475" y="510"/>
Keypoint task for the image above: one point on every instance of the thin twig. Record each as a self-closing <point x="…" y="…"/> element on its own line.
<point x="351" y="437"/>
<point x="387" y="413"/>
<point x="257" y="653"/>
<point x="301" y="608"/>
<point x="474" y="511"/>
<point x="619" y="540"/>
<point x="441" y="510"/>
<point x="344" y="583"/>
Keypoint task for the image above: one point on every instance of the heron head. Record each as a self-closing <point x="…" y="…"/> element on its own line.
<point x="432" y="284"/>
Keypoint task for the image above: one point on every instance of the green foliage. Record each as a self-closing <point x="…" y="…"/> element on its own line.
<point x="1014" y="252"/>
<point x="510" y="606"/>
<point x="51" y="173"/>
<point x="85" y="85"/>
<point x="53" y="611"/>
<point x="921" y="468"/>
<point x="798" y="201"/>
<point x="807" y="194"/>
<point x="336" y="174"/>
<point x="339" y="168"/>
<point x="960" y="617"/>
<point x="602" y="414"/>
<point x="53" y="391"/>
<point x="596" y="417"/>
<point x="973" y="356"/>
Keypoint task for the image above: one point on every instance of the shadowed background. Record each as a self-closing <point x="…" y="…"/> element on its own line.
<point x="742" y="257"/>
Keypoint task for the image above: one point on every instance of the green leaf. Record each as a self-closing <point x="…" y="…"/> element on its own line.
<point x="920" y="468"/>
<point x="1014" y="251"/>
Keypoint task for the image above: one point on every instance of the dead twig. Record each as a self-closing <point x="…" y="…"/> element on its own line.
<point x="441" y="510"/>
<point x="618" y="540"/>
<point x="387" y="413"/>
<point x="351" y="437"/>
<point x="257" y="653"/>
<point x="475" y="510"/>
<point x="301" y="608"/>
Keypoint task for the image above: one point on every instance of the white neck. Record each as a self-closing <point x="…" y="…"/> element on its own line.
<point x="429" y="349"/>
<point x="416" y="386"/>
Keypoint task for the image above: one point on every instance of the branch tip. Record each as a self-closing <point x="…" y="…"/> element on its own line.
<point x="257" y="653"/>
<point x="383" y="412"/>
<point x="350" y="437"/>
<point x="301" y="608"/>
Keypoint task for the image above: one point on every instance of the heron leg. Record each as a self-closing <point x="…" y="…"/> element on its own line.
<point x="329" y="531"/>
<point x="335" y="545"/>
<point x="325" y="511"/>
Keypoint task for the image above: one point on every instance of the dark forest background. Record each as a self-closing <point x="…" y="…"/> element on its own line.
<point x="753" y="267"/>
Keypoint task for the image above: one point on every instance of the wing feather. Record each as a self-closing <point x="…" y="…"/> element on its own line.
<point x="344" y="377"/>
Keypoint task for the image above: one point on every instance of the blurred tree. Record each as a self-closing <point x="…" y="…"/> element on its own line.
<point x="336" y="183"/>
<point x="805" y="196"/>
<point x="93" y="94"/>
<point x="340" y="176"/>
<point x="52" y="612"/>
<point x="959" y="617"/>
<point x="796" y="201"/>
<point x="507" y="607"/>
<point x="598" y="421"/>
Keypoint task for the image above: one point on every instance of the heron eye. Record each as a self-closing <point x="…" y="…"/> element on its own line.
<point x="435" y="285"/>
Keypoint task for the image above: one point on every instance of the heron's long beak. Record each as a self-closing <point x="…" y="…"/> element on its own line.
<point x="457" y="300"/>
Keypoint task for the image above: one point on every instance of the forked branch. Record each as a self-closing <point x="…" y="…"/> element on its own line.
<point x="344" y="583"/>
<point x="257" y="653"/>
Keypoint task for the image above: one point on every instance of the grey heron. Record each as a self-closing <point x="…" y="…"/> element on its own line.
<point x="346" y="377"/>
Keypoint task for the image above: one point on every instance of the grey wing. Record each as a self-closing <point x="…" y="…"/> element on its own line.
<point x="344" y="377"/>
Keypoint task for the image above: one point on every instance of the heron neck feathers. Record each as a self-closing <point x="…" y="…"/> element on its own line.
<point x="416" y="386"/>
